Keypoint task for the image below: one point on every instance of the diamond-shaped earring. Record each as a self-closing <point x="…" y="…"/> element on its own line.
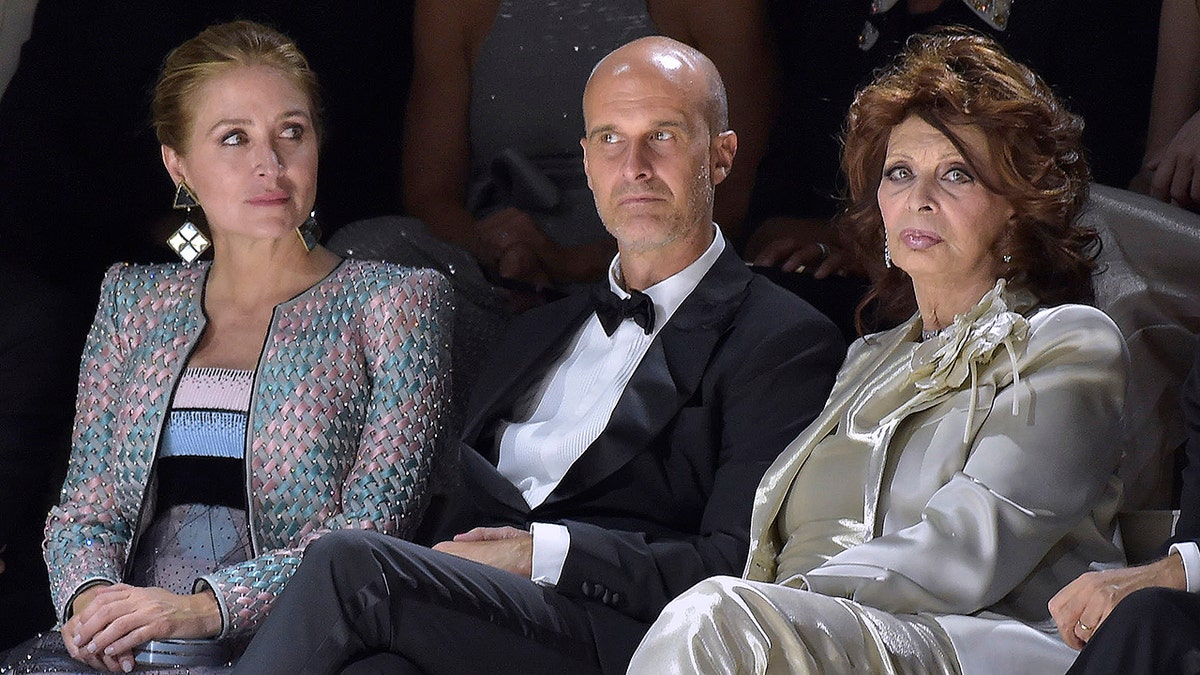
<point x="188" y="241"/>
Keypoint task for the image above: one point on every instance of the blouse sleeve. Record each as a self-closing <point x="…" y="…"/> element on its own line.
<point x="86" y="536"/>
<point x="404" y="424"/>
<point x="1029" y="480"/>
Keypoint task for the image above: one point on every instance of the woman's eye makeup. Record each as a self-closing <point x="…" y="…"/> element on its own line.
<point x="958" y="175"/>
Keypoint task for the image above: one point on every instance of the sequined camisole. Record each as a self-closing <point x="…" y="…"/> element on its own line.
<point x="199" y="522"/>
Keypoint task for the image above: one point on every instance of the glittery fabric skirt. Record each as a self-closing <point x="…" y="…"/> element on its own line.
<point x="183" y="543"/>
<point x="46" y="653"/>
<point x="188" y="541"/>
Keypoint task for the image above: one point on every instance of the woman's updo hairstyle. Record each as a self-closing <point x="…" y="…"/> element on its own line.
<point x="216" y="50"/>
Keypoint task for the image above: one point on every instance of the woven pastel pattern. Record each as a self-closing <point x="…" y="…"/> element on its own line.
<point x="348" y="407"/>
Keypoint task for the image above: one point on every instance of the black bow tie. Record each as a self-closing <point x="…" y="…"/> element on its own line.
<point x="612" y="310"/>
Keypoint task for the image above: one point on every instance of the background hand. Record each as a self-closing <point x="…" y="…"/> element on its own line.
<point x="519" y="262"/>
<point x="1082" y="605"/>
<point x="502" y="229"/>
<point x="505" y="548"/>
<point x="796" y="244"/>
<point x="1175" y="170"/>
<point x="510" y="245"/>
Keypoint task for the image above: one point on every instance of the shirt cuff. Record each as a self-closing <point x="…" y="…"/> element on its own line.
<point x="1188" y="551"/>
<point x="550" y="545"/>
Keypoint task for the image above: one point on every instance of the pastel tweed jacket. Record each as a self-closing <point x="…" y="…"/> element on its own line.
<point x="348" y="405"/>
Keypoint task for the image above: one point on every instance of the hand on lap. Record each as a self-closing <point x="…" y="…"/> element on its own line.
<point x="111" y="621"/>
<point x="505" y="548"/>
<point x="1082" y="605"/>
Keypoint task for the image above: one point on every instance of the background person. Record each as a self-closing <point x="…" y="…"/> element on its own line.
<point x="1171" y="166"/>
<point x="495" y="77"/>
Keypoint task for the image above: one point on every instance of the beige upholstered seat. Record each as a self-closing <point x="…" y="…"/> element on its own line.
<point x="1150" y="286"/>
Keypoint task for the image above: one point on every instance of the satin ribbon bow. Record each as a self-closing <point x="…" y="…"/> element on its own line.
<point x="612" y="310"/>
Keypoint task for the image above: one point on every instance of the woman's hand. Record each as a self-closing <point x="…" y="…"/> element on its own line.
<point x="1175" y="170"/>
<point x="1082" y="605"/>
<point x="499" y="231"/>
<point x="510" y="244"/>
<point x="794" y="245"/>
<point x="110" y="621"/>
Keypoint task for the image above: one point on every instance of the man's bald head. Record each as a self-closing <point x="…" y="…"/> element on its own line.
<point x="654" y="148"/>
<point x="674" y="62"/>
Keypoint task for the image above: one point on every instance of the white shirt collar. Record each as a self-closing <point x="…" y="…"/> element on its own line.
<point x="670" y="293"/>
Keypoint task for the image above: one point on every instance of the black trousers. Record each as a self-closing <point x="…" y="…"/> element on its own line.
<point x="363" y="602"/>
<point x="1154" y="631"/>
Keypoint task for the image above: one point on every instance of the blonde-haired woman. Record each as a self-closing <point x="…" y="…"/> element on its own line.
<point x="232" y="411"/>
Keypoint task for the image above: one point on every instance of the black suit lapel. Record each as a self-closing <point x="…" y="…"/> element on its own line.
<point x="520" y="362"/>
<point x="667" y="377"/>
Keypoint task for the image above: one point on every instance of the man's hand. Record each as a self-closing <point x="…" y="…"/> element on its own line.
<point x="110" y="621"/>
<point x="505" y="548"/>
<point x="1082" y="605"/>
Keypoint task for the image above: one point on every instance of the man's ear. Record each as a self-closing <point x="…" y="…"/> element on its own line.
<point x="174" y="163"/>
<point x="583" y="143"/>
<point x="724" y="147"/>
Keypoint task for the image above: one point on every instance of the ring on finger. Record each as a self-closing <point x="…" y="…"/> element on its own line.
<point x="824" y="250"/>
<point x="1084" y="627"/>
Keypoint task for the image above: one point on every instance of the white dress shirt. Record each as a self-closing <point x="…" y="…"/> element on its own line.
<point x="1190" y="554"/>
<point x="565" y="413"/>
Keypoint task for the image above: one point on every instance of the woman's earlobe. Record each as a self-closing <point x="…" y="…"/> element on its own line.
<point x="172" y="162"/>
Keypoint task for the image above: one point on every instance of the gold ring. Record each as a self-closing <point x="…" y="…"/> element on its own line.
<point x="1083" y="626"/>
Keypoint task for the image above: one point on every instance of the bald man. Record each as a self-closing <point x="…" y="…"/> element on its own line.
<point x="614" y="440"/>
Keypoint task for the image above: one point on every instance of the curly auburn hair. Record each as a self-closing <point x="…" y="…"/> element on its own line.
<point x="953" y="78"/>
<point x="215" y="50"/>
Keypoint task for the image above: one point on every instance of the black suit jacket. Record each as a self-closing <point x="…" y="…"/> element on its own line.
<point x="661" y="500"/>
